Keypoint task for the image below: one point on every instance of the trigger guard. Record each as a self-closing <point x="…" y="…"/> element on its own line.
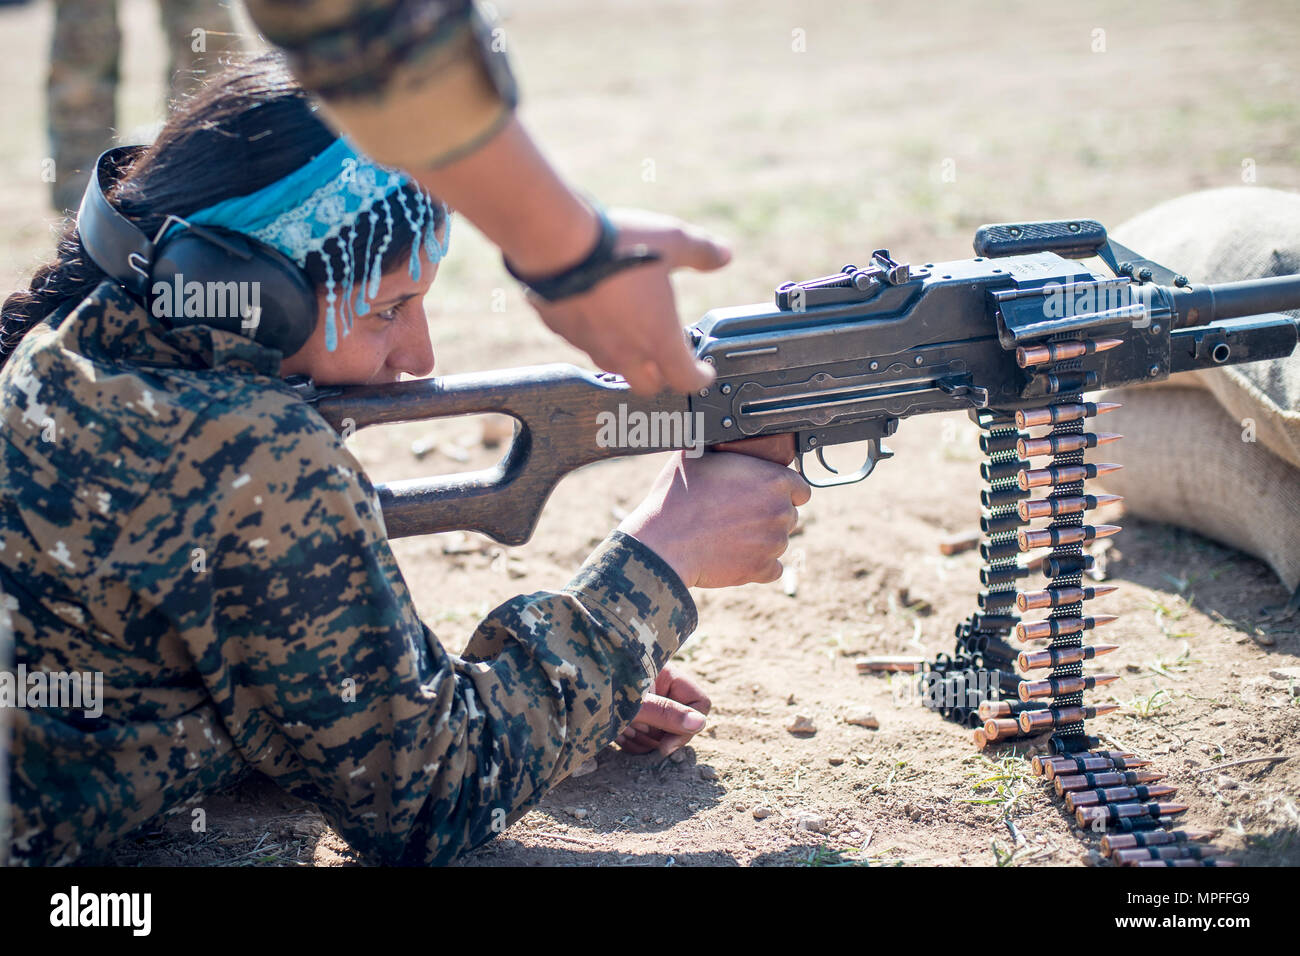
<point x="876" y="451"/>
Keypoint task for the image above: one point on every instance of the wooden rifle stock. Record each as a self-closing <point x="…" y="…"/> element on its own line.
<point x="558" y="411"/>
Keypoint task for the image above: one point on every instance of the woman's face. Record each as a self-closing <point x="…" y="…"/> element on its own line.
<point x="392" y="338"/>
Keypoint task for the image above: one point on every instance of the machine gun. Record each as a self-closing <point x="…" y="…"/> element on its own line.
<point x="1013" y="336"/>
<point x="844" y="358"/>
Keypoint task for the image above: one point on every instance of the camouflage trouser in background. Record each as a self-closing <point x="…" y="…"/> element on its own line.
<point x="83" y="78"/>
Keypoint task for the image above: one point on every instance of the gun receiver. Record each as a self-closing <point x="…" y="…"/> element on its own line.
<point x="843" y="358"/>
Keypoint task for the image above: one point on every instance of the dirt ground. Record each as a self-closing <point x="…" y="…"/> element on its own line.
<point x="902" y="130"/>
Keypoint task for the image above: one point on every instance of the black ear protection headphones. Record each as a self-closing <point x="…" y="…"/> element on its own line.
<point x="210" y="256"/>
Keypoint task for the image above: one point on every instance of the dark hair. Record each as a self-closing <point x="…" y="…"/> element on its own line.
<point x="248" y="127"/>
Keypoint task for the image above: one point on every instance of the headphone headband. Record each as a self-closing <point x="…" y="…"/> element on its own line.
<point x="113" y="242"/>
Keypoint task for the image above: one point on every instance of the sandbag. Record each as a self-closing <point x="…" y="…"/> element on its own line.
<point x="1217" y="450"/>
<point x="1185" y="464"/>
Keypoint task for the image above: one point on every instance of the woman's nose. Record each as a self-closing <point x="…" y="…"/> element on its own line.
<point x="413" y="353"/>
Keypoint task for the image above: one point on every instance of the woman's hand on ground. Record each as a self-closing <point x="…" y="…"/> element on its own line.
<point x="671" y="714"/>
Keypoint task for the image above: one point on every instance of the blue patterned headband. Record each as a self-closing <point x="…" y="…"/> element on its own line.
<point x="323" y="201"/>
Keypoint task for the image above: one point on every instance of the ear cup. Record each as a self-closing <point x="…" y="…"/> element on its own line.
<point x="220" y="278"/>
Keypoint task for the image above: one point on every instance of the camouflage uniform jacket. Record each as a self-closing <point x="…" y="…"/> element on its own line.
<point x="177" y="519"/>
<point x="414" y="83"/>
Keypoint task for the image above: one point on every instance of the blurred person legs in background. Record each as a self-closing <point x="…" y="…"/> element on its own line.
<point x="84" y="72"/>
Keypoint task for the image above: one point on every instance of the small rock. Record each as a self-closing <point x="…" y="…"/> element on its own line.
<point x="863" y="718"/>
<point x="578" y="813"/>
<point x="708" y="773"/>
<point x="1092" y="858"/>
<point x="1285" y="673"/>
<point x="660" y="821"/>
<point x="762" y="813"/>
<point x="812" y="822"/>
<point x="677" y="756"/>
<point x="802" y="725"/>
<point x="835" y="760"/>
<point x="587" y="766"/>
<point x="789" y="701"/>
<point x="1226" y="782"/>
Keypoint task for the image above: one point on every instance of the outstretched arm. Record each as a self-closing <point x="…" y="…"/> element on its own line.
<point x="424" y="85"/>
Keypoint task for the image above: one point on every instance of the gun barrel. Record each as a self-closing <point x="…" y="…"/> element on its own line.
<point x="1202" y="304"/>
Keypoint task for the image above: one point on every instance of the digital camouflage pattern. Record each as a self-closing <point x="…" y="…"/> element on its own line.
<point x="178" y="519"/>
<point x="414" y="83"/>
<point x="81" y="90"/>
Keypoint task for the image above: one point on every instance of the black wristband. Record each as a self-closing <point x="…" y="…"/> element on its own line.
<point x="601" y="263"/>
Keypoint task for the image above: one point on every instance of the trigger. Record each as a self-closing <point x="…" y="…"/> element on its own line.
<point x="821" y="457"/>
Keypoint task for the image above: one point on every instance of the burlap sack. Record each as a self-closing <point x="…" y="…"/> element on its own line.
<point x="1218" y="450"/>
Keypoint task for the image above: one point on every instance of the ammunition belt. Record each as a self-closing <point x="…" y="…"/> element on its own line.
<point x="1112" y="792"/>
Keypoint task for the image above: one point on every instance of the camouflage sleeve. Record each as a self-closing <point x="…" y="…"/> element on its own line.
<point x="414" y="83"/>
<point x="330" y="684"/>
